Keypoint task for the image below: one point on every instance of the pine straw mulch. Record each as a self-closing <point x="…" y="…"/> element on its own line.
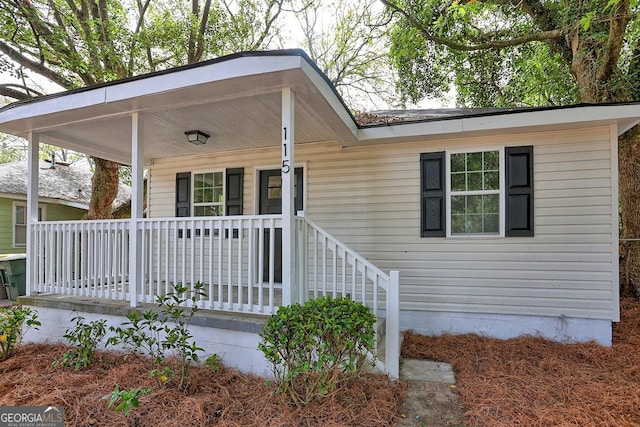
<point x="531" y="381"/>
<point x="222" y="398"/>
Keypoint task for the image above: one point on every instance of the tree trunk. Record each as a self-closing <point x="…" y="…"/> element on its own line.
<point x="629" y="190"/>
<point x="597" y="89"/>
<point x="104" y="188"/>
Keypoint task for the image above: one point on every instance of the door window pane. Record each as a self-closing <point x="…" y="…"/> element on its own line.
<point x="274" y="186"/>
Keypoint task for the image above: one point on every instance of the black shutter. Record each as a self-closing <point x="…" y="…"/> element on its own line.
<point x="432" y="195"/>
<point x="235" y="179"/>
<point x="183" y="194"/>
<point x="519" y="194"/>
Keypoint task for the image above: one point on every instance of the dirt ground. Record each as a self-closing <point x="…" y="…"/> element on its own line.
<point x="430" y="404"/>
<point x="223" y="398"/>
<point x="531" y="381"/>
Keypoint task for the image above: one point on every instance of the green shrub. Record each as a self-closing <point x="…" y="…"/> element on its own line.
<point x="213" y="362"/>
<point x="85" y="338"/>
<point x="314" y="346"/>
<point x="156" y="333"/>
<point x="124" y="400"/>
<point x="13" y="320"/>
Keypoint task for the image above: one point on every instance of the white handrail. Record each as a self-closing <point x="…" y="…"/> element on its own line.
<point x="329" y="267"/>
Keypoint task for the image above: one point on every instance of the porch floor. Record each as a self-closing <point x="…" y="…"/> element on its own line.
<point x="241" y="322"/>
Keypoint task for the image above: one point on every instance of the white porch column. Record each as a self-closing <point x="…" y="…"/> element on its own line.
<point x="136" y="268"/>
<point x="32" y="206"/>
<point x="290" y="287"/>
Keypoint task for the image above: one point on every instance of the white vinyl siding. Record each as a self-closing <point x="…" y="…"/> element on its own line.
<point x="369" y="197"/>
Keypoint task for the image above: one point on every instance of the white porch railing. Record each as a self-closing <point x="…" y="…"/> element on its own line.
<point x="85" y="258"/>
<point x="234" y="257"/>
<point x="227" y="254"/>
<point x="329" y="267"/>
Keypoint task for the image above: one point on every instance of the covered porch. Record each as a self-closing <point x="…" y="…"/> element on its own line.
<point x="249" y="261"/>
<point x="233" y="256"/>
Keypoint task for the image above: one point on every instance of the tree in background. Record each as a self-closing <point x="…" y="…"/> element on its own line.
<point x="349" y="42"/>
<point x="507" y="53"/>
<point x="75" y="43"/>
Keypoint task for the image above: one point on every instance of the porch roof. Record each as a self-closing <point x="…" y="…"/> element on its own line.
<point x="237" y="100"/>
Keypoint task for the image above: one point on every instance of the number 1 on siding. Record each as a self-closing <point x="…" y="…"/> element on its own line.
<point x="285" y="163"/>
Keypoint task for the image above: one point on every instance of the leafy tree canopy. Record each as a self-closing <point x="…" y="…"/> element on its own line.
<point x="517" y="52"/>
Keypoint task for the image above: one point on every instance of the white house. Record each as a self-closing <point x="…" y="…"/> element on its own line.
<point x="501" y="222"/>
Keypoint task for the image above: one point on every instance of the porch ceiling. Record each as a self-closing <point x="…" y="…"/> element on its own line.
<point x="237" y="102"/>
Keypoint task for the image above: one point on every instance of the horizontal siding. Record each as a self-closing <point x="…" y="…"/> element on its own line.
<point x="369" y="198"/>
<point x="6" y="227"/>
<point x="54" y="212"/>
<point x="57" y="212"/>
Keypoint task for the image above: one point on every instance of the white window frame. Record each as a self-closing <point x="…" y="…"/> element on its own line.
<point x="449" y="193"/>
<point x="224" y="191"/>
<point x="42" y="215"/>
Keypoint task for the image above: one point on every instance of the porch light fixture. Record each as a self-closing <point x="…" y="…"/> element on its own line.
<point x="196" y="137"/>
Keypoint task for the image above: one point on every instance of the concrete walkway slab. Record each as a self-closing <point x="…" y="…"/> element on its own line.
<point x="431" y="395"/>
<point x="426" y="370"/>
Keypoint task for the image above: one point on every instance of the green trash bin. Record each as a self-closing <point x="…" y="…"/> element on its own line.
<point x="13" y="268"/>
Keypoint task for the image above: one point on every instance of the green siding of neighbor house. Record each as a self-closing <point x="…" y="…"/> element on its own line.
<point x="54" y="212"/>
<point x="62" y="213"/>
<point x="6" y="218"/>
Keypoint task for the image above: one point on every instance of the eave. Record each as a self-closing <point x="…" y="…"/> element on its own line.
<point x="237" y="100"/>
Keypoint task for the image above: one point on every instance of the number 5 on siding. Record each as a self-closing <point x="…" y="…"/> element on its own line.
<point x="285" y="166"/>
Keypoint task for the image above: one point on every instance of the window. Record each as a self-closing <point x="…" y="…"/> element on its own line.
<point x="214" y="194"/>
<point x="486" y="192"/>
<point x="475" y="192"/>
<point x="20" y="223"/>
<point x="208" y="194"/>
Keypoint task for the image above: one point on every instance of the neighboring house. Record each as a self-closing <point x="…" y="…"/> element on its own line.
<point x="502" y="222"/>
<point x="64" y="194"/>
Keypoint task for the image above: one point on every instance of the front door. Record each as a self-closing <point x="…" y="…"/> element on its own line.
<point x="270" y="202"/>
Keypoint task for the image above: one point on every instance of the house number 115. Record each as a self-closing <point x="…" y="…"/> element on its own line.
<point x="286" y="168"/>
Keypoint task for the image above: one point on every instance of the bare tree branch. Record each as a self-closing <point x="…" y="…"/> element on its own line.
<point x="268" y="22"/>
<point x="18" y="92"/>
<point x="35" y="66"/>
<point x="201" y="30"/>
<point x="617" y="28"/>
<point x="142" y="10"/>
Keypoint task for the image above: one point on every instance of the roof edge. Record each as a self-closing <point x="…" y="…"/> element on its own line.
<point x="50" y="200"/>
<point x="245" y="54"/>
<point x="482" y="112"/>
